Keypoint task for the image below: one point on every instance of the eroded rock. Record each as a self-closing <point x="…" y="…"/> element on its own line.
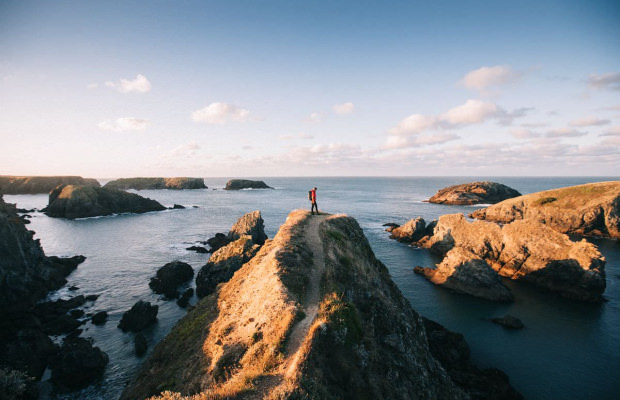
<point x="239" y="184"/>
<point x="474" y="193"/>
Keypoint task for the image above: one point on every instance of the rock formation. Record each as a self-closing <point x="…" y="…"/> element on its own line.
<point x="40" y="184"/>
<point x="590" y="209"/>
<point x="157" y="183"/>
<point x="250" y="224"/>
<point x="78" y="364"/>
<point x="412" y="231"/>
<point x="523" y="250"/>
<point x="141" y="315"/>
<point x="474" y="193"/>
<point x="87" y="201"/>
<point x="238" y="184"/>
<point x="170" y="277"/>
<point x="313" y="315"/>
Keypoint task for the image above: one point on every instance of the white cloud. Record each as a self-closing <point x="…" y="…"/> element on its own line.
<point x="315" y="117"/>
<point x="220" y="113"/>
<point x="140" y="85"/>
<point x="344" y="108"/>
<point x="565" y="132"/>
<point x="613" y="131"/>
<point x="124" y="124"/>
<point x="472" y="112"/>
<point x="589" y="121"/>
<point x="486" y="77"/>
<point x="415" y="123"/>
<point x="400" y="142"/>
<point x="521" y="133"/>
<point x="605" y="81"/>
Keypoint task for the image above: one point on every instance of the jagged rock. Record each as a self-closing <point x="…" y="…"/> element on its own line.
<point x="77" y="365"/>
<point x="590" y="209"/>
<point x="40" y="184"/>
<point x="452" y="352"/>
<point x="412" y="231"/>
<point x="198" y="249"/>
<point x="250" y="224"/>
<point x="223" y="264"/>
<point x="508" y="321"/>
<point x="140" y="345"/>
<point x="390" y="226"/>
<point x="81" y="201"/>
<point x="30" y="351"/>
<point x="157" y="183"/>
<point x="54" y="318"/>
<point x="178" y="207"/>
<point x="525" y="250"/>
<point x="140" y="316"/>
<point x="474" y="193"/>
<point x="464" y="272"/>
<point x="238" y="184"/>
<point x="218" y="241"/>
<point x="99" y="318"/>
<point x="184" y="300"/>
<point x="169" y="277"/>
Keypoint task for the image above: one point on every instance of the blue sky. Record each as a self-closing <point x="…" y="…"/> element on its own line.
<point x="298" y="88"/>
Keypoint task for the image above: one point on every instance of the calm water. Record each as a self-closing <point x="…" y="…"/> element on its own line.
<point x="568" y="350"/>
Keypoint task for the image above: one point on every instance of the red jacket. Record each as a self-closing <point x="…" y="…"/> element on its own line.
<point x="313" y="192"/>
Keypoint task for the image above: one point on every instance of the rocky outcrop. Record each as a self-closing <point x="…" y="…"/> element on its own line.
<point x="140" y="316"/>
<point x="78" y="364"/>
<point x="474" y="193"/>
<point x="86" y="201"/>
<point x="508" y="322"/>
<point x="412" y="231"/>
<point x="523" y="250"/>
<point x="313" y="315"/>
<point x="250" y="224"/>
<point x="239" y="184"/>
<point x="169" y="277"/>
<point x="40" y="184"/>
<point x="157" y="183"/>
<point x="590" y="209"/>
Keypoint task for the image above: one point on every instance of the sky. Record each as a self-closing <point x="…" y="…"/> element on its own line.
<point x="309" y="88"/>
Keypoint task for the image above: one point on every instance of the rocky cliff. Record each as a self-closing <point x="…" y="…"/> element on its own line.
<point x="157" y="183"/>
<point x="312" y="315"/>
<point x="474" y="193"/>
<point x="40" y="184"/>
<point x="86" y="201"/>
<point x="238" y="184"/>
<point x="590" y="209"/>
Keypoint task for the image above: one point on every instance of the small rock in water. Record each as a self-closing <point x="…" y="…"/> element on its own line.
<point x="77" y="313"/>
<point x="140" y="344"/>
<point x="509" y="322"/>
<point x="73" y="288"/>
<point x="198" y="249"/>
<point x="184" y="300"/>
<point x="100" y="318"/>
<point x="141" y="315"/>
<point x="178" y="207"/>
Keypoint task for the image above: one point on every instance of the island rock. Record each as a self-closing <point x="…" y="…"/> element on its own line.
<point x="590" y="209"/>
<point x="40" y="184"/>
<point x="140" y="316"/>
<point x="88" y="201"/>
<point x="157" y="183"/>
<point x="474" y="193"/>
<point x="169" y="277"/>
<point x="239" y="184"/>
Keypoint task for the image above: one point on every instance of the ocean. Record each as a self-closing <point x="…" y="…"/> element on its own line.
<point x="568" y="349"/>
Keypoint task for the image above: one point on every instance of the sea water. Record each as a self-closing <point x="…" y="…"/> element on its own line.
<point x="568" y="349"/>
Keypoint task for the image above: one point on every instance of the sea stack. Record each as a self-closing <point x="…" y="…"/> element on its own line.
<point x="157" y="183"/>
<point x="240" y="184"/>
<point x="474" y="193"/>
<point x="40" y="184"/>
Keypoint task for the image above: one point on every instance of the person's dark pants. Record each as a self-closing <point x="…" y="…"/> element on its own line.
<point x="314" y="206"/>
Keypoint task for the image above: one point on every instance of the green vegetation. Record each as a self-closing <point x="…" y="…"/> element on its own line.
<point x="342" y="316"/>
<point x="545" y="200"/>
<point x="335" y="235"/>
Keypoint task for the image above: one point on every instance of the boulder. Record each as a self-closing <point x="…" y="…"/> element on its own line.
<point x="239" y="184"/>
<point x="223" y="264"/>
<point x="198" y="249"/>
<point x="99" y="318"/>
<point x="217" y="242"/>
<point x="178" y="207"/>
<point x="525" y="250"/>
<point x="464" y="272"/>
<point x="592" y="209"/>
<point x="139" y="317"/>
<point x="140" y="344"/>
<point x="250" y="224"/>
<point x="77" y="365"/>
<point x="185" y="298"/>
<point x="157" y="183"/>
<point x="509" y="322"/>
<point x="86" y="201"/>
<point x="474" y="193"/>
<point x="412" y="231"/>
<point x="169" y="277"/>
<point x="40" y="184"/>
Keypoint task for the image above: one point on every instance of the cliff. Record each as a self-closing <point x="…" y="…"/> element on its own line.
<point x="312" y="315"/>
<point x="156" y="183"/>
<point x="40" y="184"/>
<point x="590" y="209"/>
<point x="86" y="201"/>
<point x="474" y="193"/>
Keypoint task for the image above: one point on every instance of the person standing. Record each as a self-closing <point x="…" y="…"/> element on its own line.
<point x="313" y="201"/>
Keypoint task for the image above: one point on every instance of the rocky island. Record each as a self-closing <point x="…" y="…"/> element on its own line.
<point x="474" y="193"/>
<point x="40" y="184"/>
<point x="72" y="201"/>
<point x="590" y="209"/>
<point x="239" y="184"/>
<point x="313" y="314"/>
<point x="157" y="183"/>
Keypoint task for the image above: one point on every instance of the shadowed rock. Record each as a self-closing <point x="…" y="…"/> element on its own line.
<point x="169" y="277"/>
<point x="239" y="184"/>
<point x="509" y="322"/>
<point x="157" y="183"/>
<point x="140" y="316"/>
<point x="140" y="344"/>
<point x="474" y="193"/>
<point x="77" y="365"/>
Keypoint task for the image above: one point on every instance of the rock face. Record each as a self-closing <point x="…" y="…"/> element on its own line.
<point x="412" y="231"/>
<point x="87" y="201"/>
<point x="157" y="183"/>
<point x="238" y="184"/>
<point x="474" y="193"/>
<point x="140" y="316"/>
<point x="523" y="250"/>
<point x="170" y="277"/>
<point x="78" y="364"/>
<point x="250" y="224"/>
<point x="313" y="315"/>
<point x="40" y="184"/>
<point x="591" y="209"/>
